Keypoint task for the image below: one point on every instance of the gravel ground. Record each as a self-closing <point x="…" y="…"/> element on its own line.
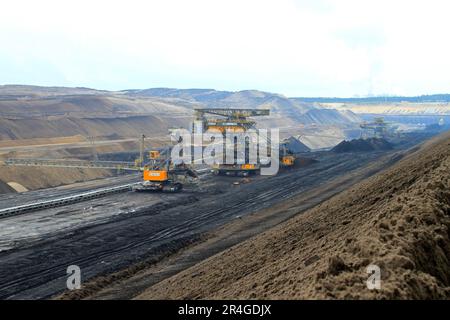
<point x="110" y="234"/>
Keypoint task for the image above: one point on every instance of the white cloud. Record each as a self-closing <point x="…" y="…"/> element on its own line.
<point x="300" y="48"/>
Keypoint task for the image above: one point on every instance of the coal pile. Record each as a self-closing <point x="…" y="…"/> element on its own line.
<point x="303" y="162"/>
<point x="295" y="146"/>
<point x="362" y="145"/>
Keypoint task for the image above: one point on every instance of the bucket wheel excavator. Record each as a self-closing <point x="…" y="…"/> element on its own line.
<point x="224" y="120"/>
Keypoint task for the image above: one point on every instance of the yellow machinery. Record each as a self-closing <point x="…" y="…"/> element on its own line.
<point x="248" y="166"/>
<point x="377" y="129"/>
<point x="230" y="120"/>
<point x="243" y="170"/>
<point x="287" y="161"/>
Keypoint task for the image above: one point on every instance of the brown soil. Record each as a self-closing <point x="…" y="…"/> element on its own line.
<point x="34" y="178"/>
<point x="132" y="126"/>
<point x="42" y="141"/>
<point x="398" y="219"/>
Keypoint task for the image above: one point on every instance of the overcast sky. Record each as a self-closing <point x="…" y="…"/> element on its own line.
<point x="297" y="48"/>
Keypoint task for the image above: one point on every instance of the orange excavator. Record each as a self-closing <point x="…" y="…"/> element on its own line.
<point x="160" y="174"/>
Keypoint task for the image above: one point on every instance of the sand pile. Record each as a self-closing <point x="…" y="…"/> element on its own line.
<point x="398" y="220"/>
<point x="362" y="145"/>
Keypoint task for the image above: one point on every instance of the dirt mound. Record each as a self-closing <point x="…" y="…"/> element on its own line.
<point x="362" y="145"/>
<point x="33" y="178"/>
<point x="398" y="220"/>
<point x="134" y="126"/>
